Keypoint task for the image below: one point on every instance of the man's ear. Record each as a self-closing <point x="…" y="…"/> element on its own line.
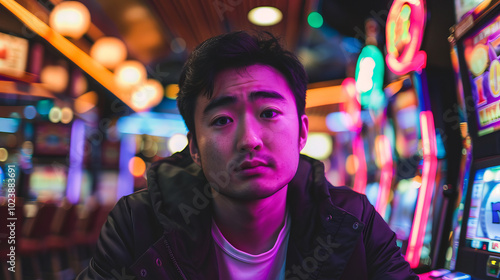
<point x="193" y="148"/>
<point x="303" y="131"/>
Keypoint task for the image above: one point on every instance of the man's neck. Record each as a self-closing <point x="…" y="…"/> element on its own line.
<point x="251" y="226"/>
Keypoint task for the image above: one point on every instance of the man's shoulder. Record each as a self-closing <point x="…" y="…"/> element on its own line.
<point x="351" y="201"/>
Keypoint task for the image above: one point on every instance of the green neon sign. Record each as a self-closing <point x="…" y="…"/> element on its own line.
<point x="370" y="78"/>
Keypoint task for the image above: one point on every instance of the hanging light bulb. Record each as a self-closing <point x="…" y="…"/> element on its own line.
<point x="70" y="18"/>
<point x="109" y="52"/>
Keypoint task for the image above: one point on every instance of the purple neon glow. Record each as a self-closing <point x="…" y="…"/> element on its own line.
<point x="76" y="151"/>
<point x="125" y="178"/>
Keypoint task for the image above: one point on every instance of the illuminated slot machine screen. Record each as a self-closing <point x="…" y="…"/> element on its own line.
<point x="48" y="182"/>
<point x="52" y="139"/>
<point x="481" y="53"/>
<point x="403" y="204"/>
<point x="479" y="254"/>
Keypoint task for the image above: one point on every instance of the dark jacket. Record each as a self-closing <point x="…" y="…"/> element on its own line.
<point x="164" y="232"/>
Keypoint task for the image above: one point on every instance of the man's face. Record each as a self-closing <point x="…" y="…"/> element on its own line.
<point x="248" y="136"/>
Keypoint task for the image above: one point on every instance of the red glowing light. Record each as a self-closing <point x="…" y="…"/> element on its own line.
<point x="360" y="177"/>
<point x="384" y="154"/>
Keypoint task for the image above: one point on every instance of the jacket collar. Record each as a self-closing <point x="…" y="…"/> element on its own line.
<point x="181" y="198"/>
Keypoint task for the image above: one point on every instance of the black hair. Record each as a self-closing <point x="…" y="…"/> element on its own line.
<point x="236" y="50"/>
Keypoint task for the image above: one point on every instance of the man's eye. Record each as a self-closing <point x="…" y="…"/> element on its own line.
<point x="221" y="121"/>
<point x="269" y="114"/>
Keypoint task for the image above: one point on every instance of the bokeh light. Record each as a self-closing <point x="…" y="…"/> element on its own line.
<point x="55" y="114"/>
<point x="130" y="73"/>
<point x="66" y="115"/>
<point x="177" y="143"/>
<point x="265" y="16"/>
<point x="30" y="112"/>
<point x="43" y="107"/>
<point x="54" y="78"/>
<point x="70" y="18"/>
<point x="171" y="91"/>
<point x="137" y="166"/>
<point x="315" y="20"/>
<point x="4" y="154"/>
<point x="109" y="51"/>
<point x="318" y="146"/>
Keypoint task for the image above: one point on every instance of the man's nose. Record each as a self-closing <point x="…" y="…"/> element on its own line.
<point x="249" y="136"/>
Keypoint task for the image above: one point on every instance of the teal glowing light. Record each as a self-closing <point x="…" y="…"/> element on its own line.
<point x="44" y="107"/>
<point x="370" y="78"/>
<point x="315" y="20"/>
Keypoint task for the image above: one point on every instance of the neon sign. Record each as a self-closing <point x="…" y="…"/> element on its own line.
<point x="370" y="77"/>
<point x="404" y="33"/>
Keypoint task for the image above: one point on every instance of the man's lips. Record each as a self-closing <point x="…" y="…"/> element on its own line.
<point x="250" y="164"/>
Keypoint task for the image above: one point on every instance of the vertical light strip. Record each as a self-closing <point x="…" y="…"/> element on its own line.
<point x="361" y="176"/>
<point x="76" y="153"/>
<point x="125" y="178"/>
<point x="386" y="174"/>
<point x="421" y="216"/>
<point x="68" y="49"/>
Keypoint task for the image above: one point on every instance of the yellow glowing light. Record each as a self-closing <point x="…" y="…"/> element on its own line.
<point x="55" y="114"/>
<point x="318" y="146"/>
<point x="70" y="18"/>
<point x="130" y="73"/>
<point x="85" y="102"/>
<point x="147" y="95"/>
<point x="177" y="143"/>
<point x="4" y="154"/>
<point x="137" y="166"/>
<point x="478" y="59"/>
<point x="54" y="78"/>
<point x="494" y="78"/>
<point x="351" y="164"/>
<point x="171" y="91"/>
<point x="109" y="51"/>
<point x="265" y="16"/>
<point x="66" y="115"/>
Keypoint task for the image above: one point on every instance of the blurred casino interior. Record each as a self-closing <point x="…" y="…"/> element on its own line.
<point x="88" y="102"/>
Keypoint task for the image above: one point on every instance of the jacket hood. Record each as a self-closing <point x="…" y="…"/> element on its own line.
<point x="181" y="195"/>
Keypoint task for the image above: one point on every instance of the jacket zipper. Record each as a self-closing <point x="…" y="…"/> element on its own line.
<point x="174" y="261"/>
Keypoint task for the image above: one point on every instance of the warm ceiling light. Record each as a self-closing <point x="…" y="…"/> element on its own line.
<point x="109" y="51"/>
<point x="70" y="18"/>
<point x="147" y="95"/>
<point x="130" y="73"/>
<point x="265" y="16"/>
<point x="54" y="78"/>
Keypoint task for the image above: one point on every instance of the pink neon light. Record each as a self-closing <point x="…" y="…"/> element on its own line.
<point x="351" y="106"/>
<point x="412" y="58"/>
<point x="384" y="152"/>
<point x="360" y="177"/>
<point x="417" y="233"/>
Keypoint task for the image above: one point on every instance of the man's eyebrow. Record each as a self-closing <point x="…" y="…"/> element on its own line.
<point x="219" y="102"/>
<point x="266" y="95"/>
<point x="230" y="100"/>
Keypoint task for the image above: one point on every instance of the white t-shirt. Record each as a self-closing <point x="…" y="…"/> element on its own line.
<point x="236" y="264"/>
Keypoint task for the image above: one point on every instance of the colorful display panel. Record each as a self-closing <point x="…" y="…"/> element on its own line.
<point x="483" y="225"/>
<point x="52" y="139"/>
<point x="481" y="50"/>
<point x="48" y="182"/>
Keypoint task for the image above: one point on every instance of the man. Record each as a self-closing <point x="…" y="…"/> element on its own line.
<point x="239" y="202"/>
